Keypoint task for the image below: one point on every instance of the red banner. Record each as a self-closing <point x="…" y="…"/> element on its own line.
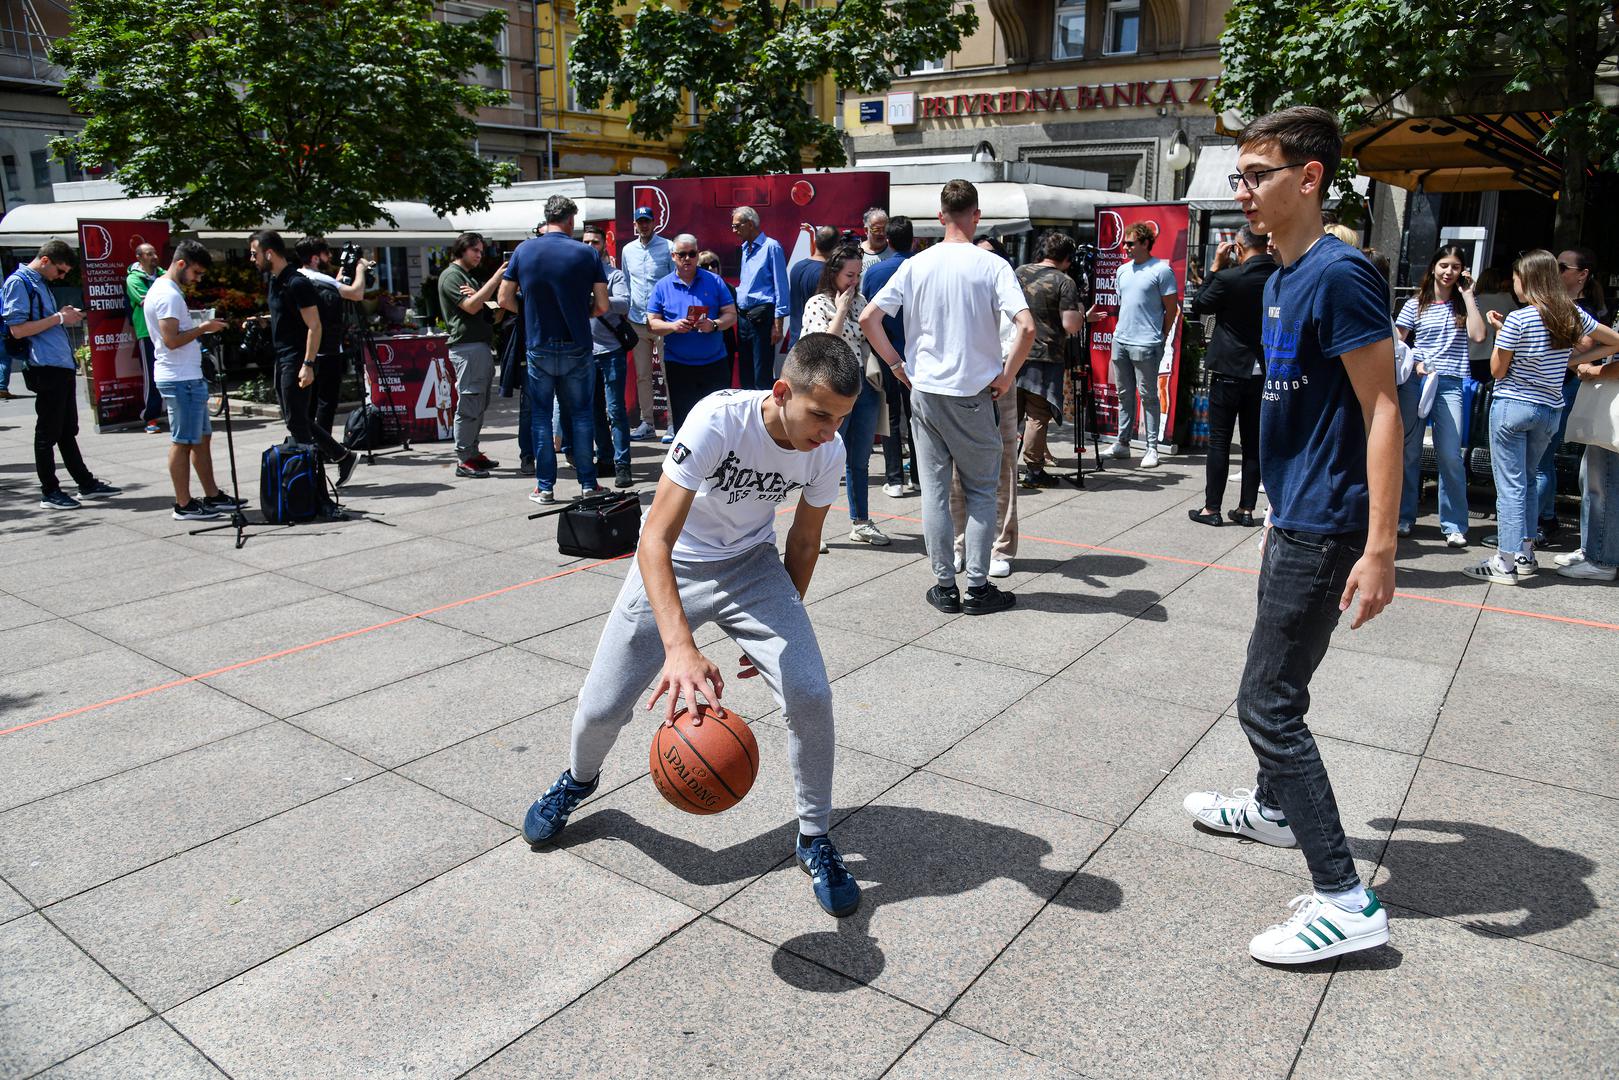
<point x="117" y="370"/>
<point x="1169" y="222"/>
<point x="411" y="380"/>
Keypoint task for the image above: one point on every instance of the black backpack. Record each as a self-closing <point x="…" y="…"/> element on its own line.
<point x="364" y="429"/>
<point x="292" y="486"/>
<point x="333" y="330"/>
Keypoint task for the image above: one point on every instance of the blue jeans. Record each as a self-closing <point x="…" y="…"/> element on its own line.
<point x="561" y="368"/>
<point x="1301" y="576"/>
<point x="1447" y="445"/>
<point x="1546" y="470"/>
<point x="525" y="424"/>
<point x="1599" y="508"/>
<point x="1519" y="434"/>
<point x="858" y="429"/>
<point x="758" y="363"/>
<point x="610" y="369"/>
<point x="1410" y="393"/>
<point x="1135" y="372"/>
<point x="5" y="370"/>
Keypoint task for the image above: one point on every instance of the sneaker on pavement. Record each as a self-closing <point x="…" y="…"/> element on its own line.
<point x="471" y="468"/>
<point x="525" y="467"/>
<point x="1036" y="478"/>
<point x="550" y="811"/>
<point x="643" y="430"/>
<point x="836" y="890"/>
<point x="587" y="492"/>
<point x="864" y="532"/>
<point x="1573" y="558"/>
<point x="894" y="491"/>
<point x="1319" y="929"/>
<point x="154" y="428"/>
<point x="1455" y="540"/>
<point x="912" y="488"/>
<point x="485" y="461"/>
<point x="345" y="468"/>
<point x="947" y="598"/>
<point x="1239" y="814"/>
<point x="667" y="437"/>
<point x="824" y="548"/>
<point x="223" y="502"/>
<point x="1585" y="570"/>
<point x="544" y="496"/>
<point x="1117" y="450"/>
<point x="195" y="511"/>
<point x="1524" y="565"/>
<point x="622" y="477"/>
<point x="986" y="599"/>
<point x="58" y="500"/>
<point x="1000" y="568"/>
<point x="1149" y="460"/>
<point x="1491" y="571"/>
<point x="1402" y="529"/>
<point x="99" y="489"/>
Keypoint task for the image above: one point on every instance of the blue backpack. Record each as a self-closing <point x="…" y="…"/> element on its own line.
<point x="292" y="486"/>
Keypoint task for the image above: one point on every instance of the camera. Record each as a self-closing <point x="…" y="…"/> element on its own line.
<point x="349" y="261"/>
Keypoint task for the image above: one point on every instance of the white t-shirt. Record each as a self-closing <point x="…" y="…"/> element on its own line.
<point x="953" y="296"/>
<point x="741" y="476"/>
<point x="164" y="300"/>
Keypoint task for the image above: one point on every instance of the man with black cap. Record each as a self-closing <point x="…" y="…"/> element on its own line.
<point x="645" y="261"/>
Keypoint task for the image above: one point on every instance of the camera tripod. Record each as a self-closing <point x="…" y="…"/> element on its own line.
<point x="238" y="519"/>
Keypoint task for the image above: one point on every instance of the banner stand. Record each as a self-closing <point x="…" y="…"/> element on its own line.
<point x="117" y="373"/>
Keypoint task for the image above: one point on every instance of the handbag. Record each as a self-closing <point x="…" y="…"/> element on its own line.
<point x="623" y="333"/>
<point x="602" y="526"/>
<point x="1594" y="420"/>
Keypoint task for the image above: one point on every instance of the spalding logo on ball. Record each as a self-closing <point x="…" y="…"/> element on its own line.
<point x="704" y="764"/>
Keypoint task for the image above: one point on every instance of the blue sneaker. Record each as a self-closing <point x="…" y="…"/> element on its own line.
<point x="550" y="811"/>
<point x="835" y="888"/>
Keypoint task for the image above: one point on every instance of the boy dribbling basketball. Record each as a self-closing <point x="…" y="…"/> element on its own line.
<point x="708" y="553"/>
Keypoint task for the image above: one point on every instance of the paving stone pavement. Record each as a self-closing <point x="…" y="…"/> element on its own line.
<point x="258" y="807"/>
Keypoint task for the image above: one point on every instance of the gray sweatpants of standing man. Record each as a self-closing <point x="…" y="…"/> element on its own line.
<point x="957" y="436"/>
<point x="474" y="363"/>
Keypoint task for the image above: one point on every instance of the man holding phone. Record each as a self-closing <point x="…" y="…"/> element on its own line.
<point x="690" y="310"/>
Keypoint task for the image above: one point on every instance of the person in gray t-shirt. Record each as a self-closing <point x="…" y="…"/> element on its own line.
<point x="1148" y="307"/>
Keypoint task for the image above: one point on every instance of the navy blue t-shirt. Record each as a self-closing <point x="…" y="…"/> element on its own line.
<point x="871" y="283"/>
<point x="803" y="277"/>
<point x="555" y="274"/>
<point x="1312" y="435"/>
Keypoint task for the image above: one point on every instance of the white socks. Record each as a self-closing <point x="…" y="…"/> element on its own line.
<point x="1354" y="900"/>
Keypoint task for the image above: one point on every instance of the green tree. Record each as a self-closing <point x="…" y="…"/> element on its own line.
<point x="1369" y="60"/>
<point x="317" y="110"/>
<point x="746" y="65"/>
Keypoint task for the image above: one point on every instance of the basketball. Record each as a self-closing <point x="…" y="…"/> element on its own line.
<point x="705" y="767"/>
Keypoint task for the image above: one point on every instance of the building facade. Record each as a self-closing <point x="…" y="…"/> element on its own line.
<point x="32" y="111"/>
<point x="1109" y="86"/>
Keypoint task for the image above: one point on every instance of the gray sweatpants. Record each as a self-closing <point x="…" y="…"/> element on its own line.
<point x="474" y="363"/>
<point x="753" y="600"/>
<point x="957" y="435"/>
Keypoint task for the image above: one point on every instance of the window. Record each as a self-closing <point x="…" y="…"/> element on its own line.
<point x="41" y="161"/>
<point x="935" y="64"/>
<point x="1068" y="41"/>
<point x="1123" y="26"/>
<point x="492" y="77"/>
<point x="570" y="99"/>
<point x="13" y="181"/>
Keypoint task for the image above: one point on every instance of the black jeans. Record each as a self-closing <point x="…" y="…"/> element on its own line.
<point x="298" y="409"/>
<point x="897" y="429"/>
<point x="690" y="383"/>
<point x="327" y="390"/>
<point x="1232" y="403"/>
<point x="56" y="407"/>
<point x="153" y="409"/>
<point x="1301" y="577"/>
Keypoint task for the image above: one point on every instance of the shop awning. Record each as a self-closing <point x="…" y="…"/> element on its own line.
<point x="1466" y="152"/>
<point x="517" y="220"/>
<point x="416" y="223"/>
<point x="1007" y="208"/>
<point x="1210" y="188"/>
<point x="32" y="224"/>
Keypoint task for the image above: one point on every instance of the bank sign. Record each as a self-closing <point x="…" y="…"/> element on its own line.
<point x="1079" y="97"/>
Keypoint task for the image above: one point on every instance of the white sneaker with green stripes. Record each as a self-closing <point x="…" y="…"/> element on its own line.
<point x="1319" y="929"/>
<point x="1238" y="813"/>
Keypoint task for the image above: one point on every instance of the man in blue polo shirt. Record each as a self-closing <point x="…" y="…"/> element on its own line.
<point x="763" y="296"/>
<point x="690" y="310"/>
<point x="32" y="317"/>
<point x="564" y="286"/>
<point x="900" y="237"/>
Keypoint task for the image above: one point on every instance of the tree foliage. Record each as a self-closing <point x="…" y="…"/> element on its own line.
<point x="747" y="65"/>
<point x="316" y="110"/>
<point x="1366" y="59"/>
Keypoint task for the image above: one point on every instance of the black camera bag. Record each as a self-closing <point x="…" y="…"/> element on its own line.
<point x="602" y="526"/>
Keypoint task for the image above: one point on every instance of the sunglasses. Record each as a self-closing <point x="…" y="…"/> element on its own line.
<point x="685" y="254"/>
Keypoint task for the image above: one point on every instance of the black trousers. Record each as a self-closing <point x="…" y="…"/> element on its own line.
<point x="153" y="409"/>
<point x="690" y="383"/>
<point x="897" y="432"/>
<point x="298" y="410"/>
<point x="1233" y="403"/>
<point x="328" y="389"/>
<point x="56" y="408"/>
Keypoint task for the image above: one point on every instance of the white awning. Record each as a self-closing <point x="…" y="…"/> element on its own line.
<point x="1210" y="188"/>
<point x="517" y="219"/>
<point x="1007" y="208"/>
<point x="416" y="224"/>
<point x="32" y="224"/>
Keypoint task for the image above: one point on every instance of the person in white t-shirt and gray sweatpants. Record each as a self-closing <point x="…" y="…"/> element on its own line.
<point x="953" y="296"/>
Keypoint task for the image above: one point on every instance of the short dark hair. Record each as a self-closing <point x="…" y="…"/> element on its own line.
<point x="995" y="245"/>
<point x="824" y="360"/>
<point x="901" y="234"/>
<point x="269" y="240"/>
<point x="57" y="251"/>
<point x="958" y="197"/>
<point x="1302" y="133"/>
<point x="1249" y="240"/>
<point x="593" y="230"/>
<point x="1057" y="246"/>
<point x="192" y="253"/>
<point x="309" y="247"/>
<point x="559" y="208"/>
<point x="826" y="239"/>
<point x="465" y="243"/>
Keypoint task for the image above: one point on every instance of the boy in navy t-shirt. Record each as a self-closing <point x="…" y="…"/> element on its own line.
<point x="1330" y="456"/>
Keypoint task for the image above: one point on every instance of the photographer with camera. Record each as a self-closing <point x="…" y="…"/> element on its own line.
<point x="295" y="334"/>
<point x="472" y="334"/>
<point x="315" y="263"/>
<point x="1054" y="302"/>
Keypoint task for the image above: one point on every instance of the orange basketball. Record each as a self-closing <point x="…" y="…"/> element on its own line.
<point x="705" y="767"/>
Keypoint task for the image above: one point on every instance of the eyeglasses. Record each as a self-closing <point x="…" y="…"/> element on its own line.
<point x="1252" y="177"/>
<point x="685" y="254"/>
<point x="1133" y="243"/>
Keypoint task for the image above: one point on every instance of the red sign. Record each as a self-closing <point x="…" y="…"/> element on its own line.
<point x="1169" y="222"/>
<point x="411" y="380"/>
<point x="1071" y="98"/>
<point x="117" y="370"/>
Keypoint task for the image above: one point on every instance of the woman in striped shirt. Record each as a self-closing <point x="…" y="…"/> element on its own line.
<point x="1438" y="323"/>
<point x="1532" y="347"/>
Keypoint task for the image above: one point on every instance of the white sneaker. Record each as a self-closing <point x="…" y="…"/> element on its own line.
<point x="894" y="491"/>
<point x="1000" y="568"/>
<point x="1117" y="450"/>
<point x="864" y="532"/>
<point x="1239" y="814"/>
<point x="1149" y="460"/>
<point x="912" y="488"/>
<point x="1455" y="540"/>
<point x="824" y="548"/>
<point x="1573" y="558"/>
<point x="1585" y="570"/>
<point x="1319" y="929"/>
<point x="542" y="496"/>
<point x="1489" y="571"/>
<point x="1524" y="565"/>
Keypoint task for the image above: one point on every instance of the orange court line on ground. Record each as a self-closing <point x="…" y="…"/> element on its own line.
<point x="1566" y="619"/>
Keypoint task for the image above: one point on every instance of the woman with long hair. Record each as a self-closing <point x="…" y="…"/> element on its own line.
<point x="835" y="309"/>
<point x="1531" y="358"/>
<point x="1578" y="269"/>
<point x="1438" y="323"/>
